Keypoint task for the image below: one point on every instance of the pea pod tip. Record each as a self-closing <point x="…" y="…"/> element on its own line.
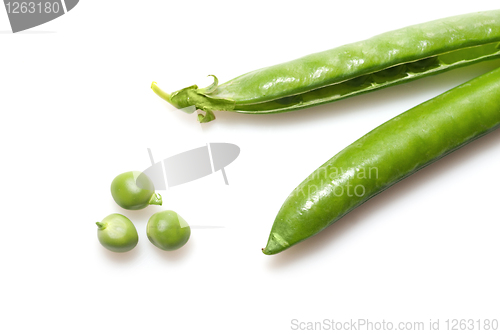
<point x="275" y="244"/>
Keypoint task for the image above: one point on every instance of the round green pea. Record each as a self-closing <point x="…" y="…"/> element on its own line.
<point x="117" y="233"/>
<point x="134" y="191"/>
<point x="167" y="230"/>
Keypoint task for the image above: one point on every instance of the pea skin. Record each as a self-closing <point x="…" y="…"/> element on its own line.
<point x="134" y="191"/>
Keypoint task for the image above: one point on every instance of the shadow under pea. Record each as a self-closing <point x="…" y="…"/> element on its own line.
<point x="175" y="255"/>
<point x="121" y="257"/>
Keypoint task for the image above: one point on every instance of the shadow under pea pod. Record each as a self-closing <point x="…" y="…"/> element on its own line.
<point x="28" y="14"/>
<point x="190" y="165"/>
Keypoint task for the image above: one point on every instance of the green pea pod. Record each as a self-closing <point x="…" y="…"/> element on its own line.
<point x="384" y="60"/>
<point x="386" y="155"/>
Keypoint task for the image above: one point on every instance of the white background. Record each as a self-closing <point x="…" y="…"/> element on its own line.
<point x="77" y="110"/>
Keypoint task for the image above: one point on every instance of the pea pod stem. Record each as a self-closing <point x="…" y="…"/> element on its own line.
<point x="382" y="61"/>
<point x="164" y="95"/>
<point x="385" y="156"/>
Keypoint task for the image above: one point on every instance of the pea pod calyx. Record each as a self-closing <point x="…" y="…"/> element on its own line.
<point x="191" y="98"/>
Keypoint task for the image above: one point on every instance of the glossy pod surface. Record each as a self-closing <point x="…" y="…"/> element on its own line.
<point x="384" y="60"/>
<point x="384" y="156"/>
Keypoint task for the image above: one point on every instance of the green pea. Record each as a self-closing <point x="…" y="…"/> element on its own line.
<point x="388" y="59"/>
<point x="167" y="230"/>
<point x="386" y="155"/>
<point x="134" y="191"/>
<point x="117" y="233"/>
